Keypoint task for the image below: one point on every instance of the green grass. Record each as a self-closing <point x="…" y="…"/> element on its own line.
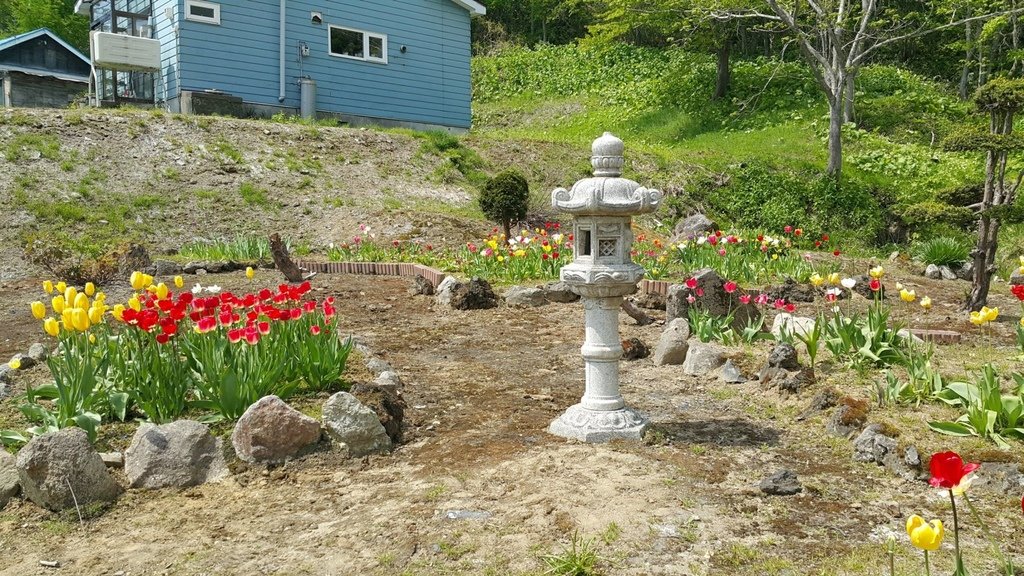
<point x="228" y="151"/>
<point x="21" y="147"/>
<point x="253" y="195"/>
<point x="246" y="248"/>
<point x="942" y="251"/>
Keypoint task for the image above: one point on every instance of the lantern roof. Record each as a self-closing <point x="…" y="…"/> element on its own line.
<point x="606" y="193"/>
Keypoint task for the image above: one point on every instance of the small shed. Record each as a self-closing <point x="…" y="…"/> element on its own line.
<point x="39" y="69"/>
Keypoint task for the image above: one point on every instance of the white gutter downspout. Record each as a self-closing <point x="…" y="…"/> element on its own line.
<point x="281" y="64"/>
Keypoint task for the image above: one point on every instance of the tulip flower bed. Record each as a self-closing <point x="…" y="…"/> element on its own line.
<point x="162" y="353"/>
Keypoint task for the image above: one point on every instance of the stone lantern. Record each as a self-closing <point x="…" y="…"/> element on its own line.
<point x="603" y="273"/>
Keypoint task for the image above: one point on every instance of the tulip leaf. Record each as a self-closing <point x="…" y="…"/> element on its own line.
<point x="119" y="404"/>
<point x="951" y="428"/>
<point x="12" y="437"/>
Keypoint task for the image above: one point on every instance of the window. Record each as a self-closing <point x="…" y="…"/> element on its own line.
<point x="200" y="11"/>
<point x="350" y="43"/>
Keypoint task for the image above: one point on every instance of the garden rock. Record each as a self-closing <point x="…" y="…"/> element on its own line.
<point x="56" y="465"/>
<point x="210" y="266"/>
<point x="793" y="291"/>
<point x="730" y="374"/>
<point x="38" y="352"/>
<point x="474" y="295"/>
<point x="376" y="366"/>
<point x="908" y="335"/>
<point x="634" y="349"/>
<point x="25" y="360"/>
<point x="715" y="300"/>
<point x="847" y="418"/>
<point x="524" y="297"/>
<point x="271" y="431"/>
<point x="134" y="258"/>
<point x="179" y="454"/>
<point x="421" y="286"/>
<point x="863" y="287"/>
<point x="9" y="483"/>
<point x="166" y="268"/>
<point x="390" y="380"/>
<point x="947" y="273"/>
<point x="998" y="477"/>
<point x="1016" y="278"/>
<point x="872" y="445"/>
<point x="357" y="427"/>
<point x="822" y="401"/>
<point x="649" y="300"/>
<point x="695" y="225"/>
<point x="672" y="345"/>
<point x="932" y="272"/>
<point x="702" y="358"/>
<point x="792" y="324"/>
<point x="445" y="290"/>
<point x="782" y="483"/>
<point x="112" y="459"/>
<point x="388" y="405"/>
<point x="783" y="356"/>
<point x="559" y="292"/>
<point x="965" y="271"/>
<point x="793" y="382"/>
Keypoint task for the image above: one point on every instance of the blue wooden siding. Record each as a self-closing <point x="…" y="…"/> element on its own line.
<point x="164" y="31"/>
<point x="429" y="83"/>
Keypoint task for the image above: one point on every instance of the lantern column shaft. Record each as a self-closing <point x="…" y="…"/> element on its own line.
<point x="602" y="351"/>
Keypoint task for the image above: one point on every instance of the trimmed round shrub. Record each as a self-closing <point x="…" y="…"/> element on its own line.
<point x="505" y="199"/>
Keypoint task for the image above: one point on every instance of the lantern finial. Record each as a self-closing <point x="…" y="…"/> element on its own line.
<point x="607" y="157"/>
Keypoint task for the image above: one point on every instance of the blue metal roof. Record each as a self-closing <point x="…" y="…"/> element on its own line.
<point x="26" y="36"/>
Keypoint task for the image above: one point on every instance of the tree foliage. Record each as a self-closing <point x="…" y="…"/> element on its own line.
<point x="505" y="199"/>
<point x="18" y="16"/>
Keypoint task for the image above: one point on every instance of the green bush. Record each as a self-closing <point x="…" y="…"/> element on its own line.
<point x="505" y="199"/>
<point x="928" y="215"/>
<point x="942" y="251"/>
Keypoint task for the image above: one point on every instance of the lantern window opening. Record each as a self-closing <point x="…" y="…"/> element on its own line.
<point x="585" y="243"/>
<point x="607" y="247"/>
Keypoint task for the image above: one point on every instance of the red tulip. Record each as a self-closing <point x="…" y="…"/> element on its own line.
<point x="309" y="306"/>
<point x="265" y="294"/>
<point x="745" y="298"/>
<point x="790" y="307"/>
<point x="787" y="229"/>
<point x="730" y="287"/>
<point x="949" y="470"/>
<point x="824" y="237"/>
<point x="691" y="283"/>
<point x="835" y="253"/>
<point x="875" y="285"/>
<point x="1018" y="291"/>
<point x="264" y="328"/>
<point x="235" y="336"/>
<point x="206" y="324"/>
<point x="314" y="330"/>
<point x="162" y="338"/>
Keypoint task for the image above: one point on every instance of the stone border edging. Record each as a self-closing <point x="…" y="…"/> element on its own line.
<point x="434" y="275"/>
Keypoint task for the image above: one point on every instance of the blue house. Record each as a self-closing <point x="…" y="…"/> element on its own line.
<point x="39" y="69"/>
<point x="390" y="62"/>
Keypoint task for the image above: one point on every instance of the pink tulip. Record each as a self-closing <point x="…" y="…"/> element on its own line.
<point x="745" y="298"/>
<point x="730" y="287"/>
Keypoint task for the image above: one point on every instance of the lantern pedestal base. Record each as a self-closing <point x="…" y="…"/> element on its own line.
<point x="595" y="426"/>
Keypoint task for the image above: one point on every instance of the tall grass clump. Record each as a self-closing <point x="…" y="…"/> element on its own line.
<point x="942" y="251"/>
<point x="245" y="248"/>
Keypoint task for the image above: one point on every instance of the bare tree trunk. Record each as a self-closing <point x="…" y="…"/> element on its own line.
<point x="1015" y="36"/>
<point x="835" y="135"/>
<point x="282" y="261"/>
<point x="635" y="313"/>
<point x="849" y="91"/>
<point x="724" y="76"/>
<point x="965" y="73"/>
<point x="984" y="254"/>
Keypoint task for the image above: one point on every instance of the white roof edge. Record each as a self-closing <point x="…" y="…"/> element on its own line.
<point x="82" y="7"/>
<point x="474" y="7"/>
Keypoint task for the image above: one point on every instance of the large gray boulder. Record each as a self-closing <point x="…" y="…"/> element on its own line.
<point x="702" y="358"/>
<point x="354" y="425"/>
<point x="179" y="454"/>
<point x="794" y="325"/>
<point x="525" y="297"/>
<point x="695" y="225"/>
<point x="672" y="345"/>
<point x="10" y="485"/>
<point x="444" y="291"/>
<point x="709" y="294"/>
<point x="559" y="292"/>
<point x="476" y="294"/>
<point x="59" y="469"/>
<point x="271" y="431"/>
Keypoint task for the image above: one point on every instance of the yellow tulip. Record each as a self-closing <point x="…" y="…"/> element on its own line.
<point x="817" y="280"/>
<point x="66" y="321"/>
<point x="1022" y="322"/>
<point x="101" y="297"/>
<point x="519" y="253"/>
<point x="38" y="310"/>
<point x="834" y="279"/>
<point x="990" y="314"/>
<point x="136" y="280"/>
<point x="134" y="303"/>
<point x="501" y="258"/>
<point x="48" y="286"/>
<point x="81" y="301"/>
<point x="96" y="314"/>
<point x="80" y="319"/>
<point x="877" y="272"/>
<point x="51" y="327"/>
<point x="977" y="319"/>
<point x="70" y="293"/>
<point x="90" y="289"/>
<point x="92" y="338"/>
<point x="61" y="287"/>
<point x="925" y="535"/>
<point x="15" y="363"/>
<point x="249" y="272"/>
<point x="162" y="290"/>
<point x="118" y="311"/>
<point x="926" y="303"/>
<point x="58" y="304"/>
<point x="147" y="279"/>
<point x="179" y="281"/>
<point x="907" y="295"/>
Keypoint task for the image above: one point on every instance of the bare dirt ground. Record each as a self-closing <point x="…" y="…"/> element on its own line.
<point x="482" y="386"/>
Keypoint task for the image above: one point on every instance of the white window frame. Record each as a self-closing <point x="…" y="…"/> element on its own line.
<point x="201" y="4"/>
<point x="366" y="44"/>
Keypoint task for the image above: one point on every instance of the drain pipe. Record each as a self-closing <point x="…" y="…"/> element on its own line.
<point x="281" y="63"/>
